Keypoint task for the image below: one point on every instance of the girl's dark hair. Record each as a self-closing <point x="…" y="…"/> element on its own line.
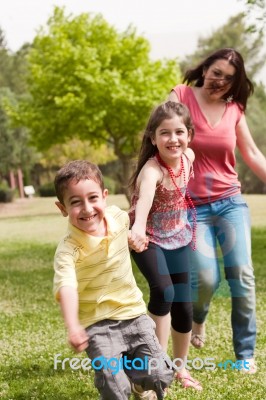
<point x="164" y="111"/>
<point x="76" y="170"/>
<point x="241" y="88"/>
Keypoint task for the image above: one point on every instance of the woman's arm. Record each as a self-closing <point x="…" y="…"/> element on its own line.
<point x="250" y="153"/>
<point x="173" y="97"/>
<point x="190" y="154"/>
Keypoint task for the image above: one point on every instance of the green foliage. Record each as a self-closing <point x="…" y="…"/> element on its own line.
<point x="256" y="118"/>
<point x="6" y="194"/>
<point x="255" y="14"/>
<point x="19" y="70"/>
<point x="75" y="149"/>
<point x="47" y="190"/>
<point x="13" y="67"/>
<point x="15" y="151"/>
<point x="110" y="184"/>
<point x="88" y="81"/>
<point x="3" y="44"/>
<point x="5" y="62"/>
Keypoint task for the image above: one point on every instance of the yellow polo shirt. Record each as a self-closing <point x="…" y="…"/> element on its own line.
<point x="100" y="269"/>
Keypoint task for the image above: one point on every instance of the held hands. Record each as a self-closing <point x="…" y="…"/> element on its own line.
<point x="78" y="338"/>
<point x="137" y="239"/>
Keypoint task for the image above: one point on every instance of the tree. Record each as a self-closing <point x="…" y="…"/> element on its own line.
<point x="19" y="70"/>
<point x="91" y="82"/>
<point x="5" y="62"/>
<point x="15" y="152"/>
<point x="255" y="15"/>
<point x="59" y="154"/>
<point x="13" y="67"/>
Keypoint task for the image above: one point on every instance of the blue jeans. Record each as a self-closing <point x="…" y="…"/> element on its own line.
<point x="227" y="222"/>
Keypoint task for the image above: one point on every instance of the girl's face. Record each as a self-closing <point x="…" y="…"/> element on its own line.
<point x="218" y="78"/>
<point x="171" y="138"/>
<point x="84" y="204"/>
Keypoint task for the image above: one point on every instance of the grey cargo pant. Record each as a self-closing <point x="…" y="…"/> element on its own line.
<point x="124" y="342"/>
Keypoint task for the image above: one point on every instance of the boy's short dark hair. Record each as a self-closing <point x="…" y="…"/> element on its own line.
<point x="76" y="170"/>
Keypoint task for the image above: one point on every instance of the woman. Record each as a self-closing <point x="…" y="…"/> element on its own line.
<point x="216" y="95"/>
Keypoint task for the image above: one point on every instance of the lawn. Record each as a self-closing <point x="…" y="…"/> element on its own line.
<point x="32" y="332"/>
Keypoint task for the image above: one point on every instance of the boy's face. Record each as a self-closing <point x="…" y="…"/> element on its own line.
<point x="84" y="204"/>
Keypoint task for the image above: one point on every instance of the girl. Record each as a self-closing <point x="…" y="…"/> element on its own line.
<point x="158" y="212"/>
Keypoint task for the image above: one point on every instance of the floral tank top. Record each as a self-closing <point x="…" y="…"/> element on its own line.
<point x="167" y="223"/>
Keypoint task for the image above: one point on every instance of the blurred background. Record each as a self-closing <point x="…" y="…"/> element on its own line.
<point x="78" y="79"/>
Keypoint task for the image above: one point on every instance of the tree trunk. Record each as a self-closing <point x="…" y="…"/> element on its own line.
<point x="125" y="174"/>
<point x="12" y="180"/>
<point x="20" y="183"/>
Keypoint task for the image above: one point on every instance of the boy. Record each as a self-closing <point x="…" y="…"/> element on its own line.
<point x="102" y="306"/>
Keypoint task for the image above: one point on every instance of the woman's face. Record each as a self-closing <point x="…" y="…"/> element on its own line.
<point x="218" y="78"/>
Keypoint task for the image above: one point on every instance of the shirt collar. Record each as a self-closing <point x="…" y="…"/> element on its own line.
<point x="93" y="241"/>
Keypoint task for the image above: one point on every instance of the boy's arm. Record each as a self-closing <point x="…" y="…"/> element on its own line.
<point x="77" y="335"/>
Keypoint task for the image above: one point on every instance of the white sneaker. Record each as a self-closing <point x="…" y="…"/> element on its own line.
<point x="145" y="395"/>
<point x="252" y="367"/>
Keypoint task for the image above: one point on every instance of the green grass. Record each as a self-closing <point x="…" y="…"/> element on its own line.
<point x="32" y="331"/>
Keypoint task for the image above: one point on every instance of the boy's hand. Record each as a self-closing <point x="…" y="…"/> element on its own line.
<point x="137" y="242"/>
<point x="78" y="339"/>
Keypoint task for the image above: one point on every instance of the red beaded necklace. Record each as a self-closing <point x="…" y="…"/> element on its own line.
<point x="169" y="169"/>
<point x="188" y="203"/>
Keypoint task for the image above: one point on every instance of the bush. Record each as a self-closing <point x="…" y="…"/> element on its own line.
<point x="47" y="190"/>
<point x="6" y="195"/>
<point x="110" y="184"/>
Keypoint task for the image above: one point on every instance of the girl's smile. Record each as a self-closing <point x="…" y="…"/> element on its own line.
<point x="171" y="138"/>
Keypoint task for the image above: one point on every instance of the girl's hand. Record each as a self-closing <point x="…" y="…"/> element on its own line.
<point x="137" y="239"/>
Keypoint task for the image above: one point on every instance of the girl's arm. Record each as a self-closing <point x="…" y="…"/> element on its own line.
<point x="250" y="153"/>
<point x="77" y="336"/>
<point x="147" y="181"/>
